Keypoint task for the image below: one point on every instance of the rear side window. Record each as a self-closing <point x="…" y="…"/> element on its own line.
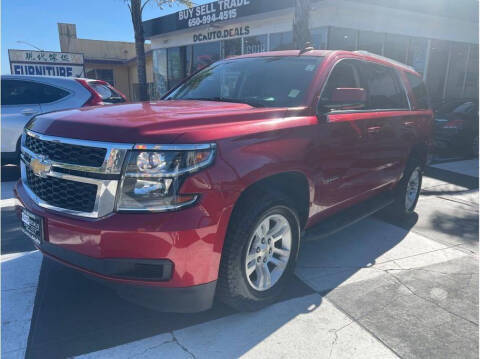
<point x="19" y="92"/>
<point x="47" y="93"/>
<point x="419" y="91"/>
<point x="383" y="86"/>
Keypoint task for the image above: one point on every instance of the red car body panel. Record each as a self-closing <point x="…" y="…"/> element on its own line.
<point x="348" y="158"/>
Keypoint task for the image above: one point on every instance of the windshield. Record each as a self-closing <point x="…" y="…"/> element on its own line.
<point x="257" y="81"/>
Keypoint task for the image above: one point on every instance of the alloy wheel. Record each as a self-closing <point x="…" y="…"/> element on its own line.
<point x="268" y="252"/>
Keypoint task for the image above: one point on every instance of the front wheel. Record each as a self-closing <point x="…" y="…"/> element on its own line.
<point x="259" y="253"/>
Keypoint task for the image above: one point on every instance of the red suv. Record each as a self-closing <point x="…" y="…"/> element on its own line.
<point x="209" y="191"/>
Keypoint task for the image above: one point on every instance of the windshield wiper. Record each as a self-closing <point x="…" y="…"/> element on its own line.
<point x="250" y="102"/>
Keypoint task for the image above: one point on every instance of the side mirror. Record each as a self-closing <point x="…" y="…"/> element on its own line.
<point x="344" y="99"/>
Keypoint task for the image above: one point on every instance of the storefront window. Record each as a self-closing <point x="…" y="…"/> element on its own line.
<point x="342" y="39"/>
<point x="437" y="67"/>
<point x="160" y="71"/>
<point x="176" y="59"/>
<point x="319" y="38"/>
<point x="417" y="54"/>
<point x="371" y="41"/>
<point x="231" y="47"/>
<point x="281" y="41"/>
<point x="102" y="74"/>
<point x="254" y="44"/>
<point x="471" y="78"/>
<point x="205" y="54"/>
<point x="456" y="71"/>
<point x="396" y="47"/>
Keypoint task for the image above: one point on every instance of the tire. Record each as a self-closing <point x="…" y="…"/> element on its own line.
<point x="407" y="192"/>
<point x="250" y="291"/>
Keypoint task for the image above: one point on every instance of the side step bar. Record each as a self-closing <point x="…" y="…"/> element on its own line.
<point x="348" y="217"/>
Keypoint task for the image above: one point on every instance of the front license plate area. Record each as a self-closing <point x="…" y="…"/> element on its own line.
<point x="32" y="226"/>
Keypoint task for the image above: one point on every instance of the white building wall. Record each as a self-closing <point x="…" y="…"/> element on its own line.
<point x="341" y="13"/>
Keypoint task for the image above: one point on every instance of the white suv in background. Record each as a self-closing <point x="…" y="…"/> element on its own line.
<point x="26" y="96"/>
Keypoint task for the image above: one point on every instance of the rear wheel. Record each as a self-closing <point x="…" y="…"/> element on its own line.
<point x="408" y="190"/>
<point x="259" y="253"/>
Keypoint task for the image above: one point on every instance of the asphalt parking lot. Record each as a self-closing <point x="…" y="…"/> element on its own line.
<point x="382" y="288"/>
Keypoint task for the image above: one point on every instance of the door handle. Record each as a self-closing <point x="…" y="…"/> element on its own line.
<point x="410" y="124"/>
<point x="29" y="112"/>
<point x="374" y="129"/>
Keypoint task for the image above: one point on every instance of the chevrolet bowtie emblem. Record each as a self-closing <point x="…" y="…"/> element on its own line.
<point x="40" y="166"/>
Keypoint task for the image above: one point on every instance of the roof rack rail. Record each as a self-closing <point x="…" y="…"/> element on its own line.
<point x="380" y="57"/>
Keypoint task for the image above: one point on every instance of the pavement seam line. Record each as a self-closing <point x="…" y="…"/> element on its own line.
<point x="354" y="320"/>
<point x="465" y="203"/>
<point x="184" y="348"/>
<point x="152" y="347"/>
<point x="390" y="260"/>
<point x="429" y="300"/>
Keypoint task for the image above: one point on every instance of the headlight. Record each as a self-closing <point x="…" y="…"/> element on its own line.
<point x="153" y="175"/>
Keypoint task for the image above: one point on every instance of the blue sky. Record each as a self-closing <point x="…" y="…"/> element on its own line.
<point x="35" y="21"/>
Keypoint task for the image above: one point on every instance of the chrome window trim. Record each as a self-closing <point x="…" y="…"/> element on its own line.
<point x="112" y="163"/>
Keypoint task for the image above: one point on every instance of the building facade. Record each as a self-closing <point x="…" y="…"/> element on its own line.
<point x="111" y="61"/>
<point x="439" y="38"/>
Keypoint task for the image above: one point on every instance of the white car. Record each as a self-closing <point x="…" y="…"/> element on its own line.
<point x="26" y="96"/>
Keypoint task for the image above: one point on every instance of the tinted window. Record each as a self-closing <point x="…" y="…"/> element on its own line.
<point x="47" y="94"/>
<point x="383" y="87"/>
<point x="419" y="91"/>
<point x="343" y="75"/>
<point x="17" y="92"/>
<point x="258" y="81"/>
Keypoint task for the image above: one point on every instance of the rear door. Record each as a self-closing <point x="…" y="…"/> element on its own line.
<point x="386" y="113"/>
<point x="19" y="105"/>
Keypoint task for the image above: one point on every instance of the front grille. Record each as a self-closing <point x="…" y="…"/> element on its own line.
<point x="62" y="193"/>
<point x="66" y="153"/>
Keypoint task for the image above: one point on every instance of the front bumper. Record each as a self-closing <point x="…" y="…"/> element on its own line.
<point x="172" y="256"/>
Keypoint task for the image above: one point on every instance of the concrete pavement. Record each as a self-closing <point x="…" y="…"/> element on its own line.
<point x="382" y="288"/>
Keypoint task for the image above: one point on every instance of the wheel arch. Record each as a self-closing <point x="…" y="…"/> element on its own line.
<point x="292" y="184"/>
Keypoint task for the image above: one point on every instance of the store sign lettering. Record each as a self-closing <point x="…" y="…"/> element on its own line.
<point x="208" y="13"/>
<point x="45" y="63"/>
<point x="47" y="70"/>
<point x="222" y="34"/>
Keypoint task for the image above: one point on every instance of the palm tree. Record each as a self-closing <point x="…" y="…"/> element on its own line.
<point x="301" y="31"/>
<point x="136" y="9"/>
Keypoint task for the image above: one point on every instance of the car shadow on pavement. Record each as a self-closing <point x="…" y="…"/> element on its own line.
<point x="10" y="173"/>
<point x="74" y="314"/>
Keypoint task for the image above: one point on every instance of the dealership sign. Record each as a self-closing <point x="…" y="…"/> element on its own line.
<point x="45" y="63"/>
<point x="221" y="34"/>
<point x="211" y="13"/>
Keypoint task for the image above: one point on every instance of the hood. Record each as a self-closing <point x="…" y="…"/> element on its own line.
<point x="150" y="122"/>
